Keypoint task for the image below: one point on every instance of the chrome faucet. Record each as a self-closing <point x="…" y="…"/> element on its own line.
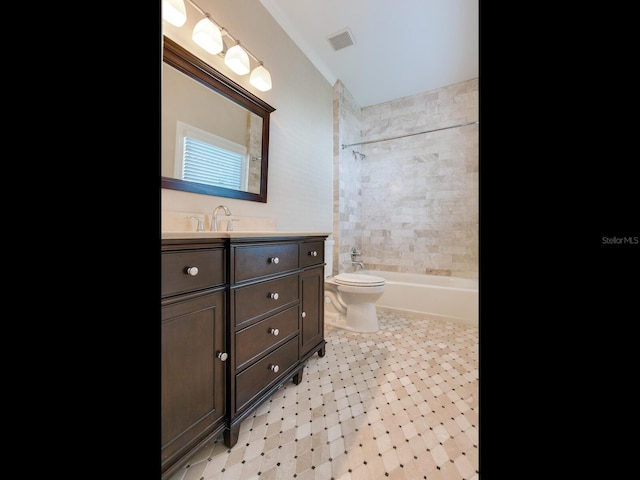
<point x="214" y="217"/>
<point x="359" y="263"/>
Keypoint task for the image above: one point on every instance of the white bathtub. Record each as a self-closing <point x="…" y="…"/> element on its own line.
<point x="450" y="298"/>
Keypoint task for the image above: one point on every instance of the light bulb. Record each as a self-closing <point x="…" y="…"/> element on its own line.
<point x="237" y="60"/>
<point x="208" y="36"/>
<point x="261" y="78"/>
<point x="173" y="11"/>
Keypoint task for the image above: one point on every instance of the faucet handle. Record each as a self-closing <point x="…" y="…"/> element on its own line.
<point x="230" y="224"/>
<point x="200" y="227"/>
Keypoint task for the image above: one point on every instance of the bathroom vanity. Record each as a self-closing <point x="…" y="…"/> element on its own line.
<point x="241" y="314"/>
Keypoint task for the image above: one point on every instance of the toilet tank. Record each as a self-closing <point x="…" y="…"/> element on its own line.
<point x="328" y="258"/>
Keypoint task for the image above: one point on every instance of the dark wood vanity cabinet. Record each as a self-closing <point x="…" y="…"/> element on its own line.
<point x="272" y="284"/>
<point x="235" y="332"/>
<point x="193" y="349"/>
<point x="312" y="299"/>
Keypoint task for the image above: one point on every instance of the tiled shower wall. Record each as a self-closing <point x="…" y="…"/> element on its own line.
<point x="411" y="204"/>
<point x="347" y="191"/>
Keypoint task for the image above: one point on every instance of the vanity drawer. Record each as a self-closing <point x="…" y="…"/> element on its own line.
<point x="176" y="279"/>
<point x="256" y="378"/>
<point x="258" y="299"/>
<point x="254" y="261"/>
<point x="311" y="253"/>
<point x="262" y="336"/>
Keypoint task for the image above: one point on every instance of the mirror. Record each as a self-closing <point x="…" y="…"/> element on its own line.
<point x="200" y="102"/>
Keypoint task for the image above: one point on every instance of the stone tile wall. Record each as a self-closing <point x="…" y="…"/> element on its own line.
<point x="347" y="191"/>
<point x="411" y="205"/>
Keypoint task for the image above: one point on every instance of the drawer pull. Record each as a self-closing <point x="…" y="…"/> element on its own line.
<point x="313" y="253"/>
<point x="274" y="368"/>
<point x="193" y="271"/>
<point x="304" y="314"/>
<point x="274" y="331"/>
<point x="275" y="260"/>
<point x="274" y="295"/>
<point x="223" y="356"/>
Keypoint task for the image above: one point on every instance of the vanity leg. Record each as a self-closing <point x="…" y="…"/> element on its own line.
<point x="321" y="351"/>
<point x="230" y="436"/>
<point x="297" y="378"/>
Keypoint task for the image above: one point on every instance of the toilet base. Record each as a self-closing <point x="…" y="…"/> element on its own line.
<point x="352" y="307"/>
<point x="362" y="317"/>
<point x="337" y="321"/>
<point x="357" y="323"/>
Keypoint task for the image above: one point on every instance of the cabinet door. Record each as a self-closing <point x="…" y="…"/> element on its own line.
<point x="312" y="310"/>
<point x="192" y="375"/>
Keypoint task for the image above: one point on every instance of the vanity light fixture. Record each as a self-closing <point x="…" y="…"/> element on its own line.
<point x="237" y="60"/>
<point x="174" y="12"/>
<point x="260" y="78"/>
<point x="208" y="35"/>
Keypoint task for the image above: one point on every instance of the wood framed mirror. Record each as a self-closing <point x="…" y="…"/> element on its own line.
<point x="197" y="95"/>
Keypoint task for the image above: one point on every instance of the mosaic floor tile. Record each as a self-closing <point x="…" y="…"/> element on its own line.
<point x="401" y="403"/>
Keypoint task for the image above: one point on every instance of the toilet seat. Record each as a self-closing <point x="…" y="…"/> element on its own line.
<point x="358" y="280"/>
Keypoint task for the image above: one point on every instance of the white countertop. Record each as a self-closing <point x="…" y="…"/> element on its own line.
<point x="263" y="234"/>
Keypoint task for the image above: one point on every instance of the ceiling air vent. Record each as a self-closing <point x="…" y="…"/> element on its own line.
<point x="341" y="39"/>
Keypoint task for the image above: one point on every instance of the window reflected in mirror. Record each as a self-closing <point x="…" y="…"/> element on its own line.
<point x="191" y="113"/>
<point x="203" y="157"/>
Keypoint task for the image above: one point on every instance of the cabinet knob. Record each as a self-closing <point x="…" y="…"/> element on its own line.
<point x="274" y="368"/>
<point x="274" y="331"/>
<point x="304" y="314"/>
<point x="274" y="295"/>
<point x="223" y="356"/>
<point x="193" y="271"/>
<point x="274" y="260"/>
<point x="313" y="253"/>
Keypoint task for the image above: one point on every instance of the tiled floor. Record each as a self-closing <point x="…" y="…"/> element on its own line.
<point x="401" y="403"/>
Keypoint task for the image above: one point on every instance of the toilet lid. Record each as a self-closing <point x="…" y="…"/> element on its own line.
<point x="357" y="279"/>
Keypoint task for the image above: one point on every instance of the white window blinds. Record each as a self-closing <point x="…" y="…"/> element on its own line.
<point x="203" y="157"/>
<point x="206" y="163"/>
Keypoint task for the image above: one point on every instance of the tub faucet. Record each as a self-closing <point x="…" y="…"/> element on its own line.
<point x="214" y="217"/>
<point x="359" y="263"/>
<point x="355" y="253"/>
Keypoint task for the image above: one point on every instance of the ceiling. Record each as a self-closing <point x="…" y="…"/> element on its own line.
<point x="400" y="47"/>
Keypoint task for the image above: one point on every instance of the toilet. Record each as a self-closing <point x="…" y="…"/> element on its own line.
<point x="350" y="297"/>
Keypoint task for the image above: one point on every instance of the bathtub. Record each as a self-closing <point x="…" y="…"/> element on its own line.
<point x="450" y="298"/>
